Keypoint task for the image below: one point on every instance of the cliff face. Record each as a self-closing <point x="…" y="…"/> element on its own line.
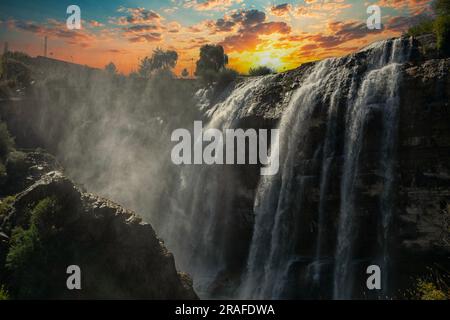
<point x="53" y="224"/>
<point x="397" y="200"/>
<point x="423" y="220"/>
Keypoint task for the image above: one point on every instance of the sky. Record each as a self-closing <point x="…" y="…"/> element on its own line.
<point x="279" y="34"/>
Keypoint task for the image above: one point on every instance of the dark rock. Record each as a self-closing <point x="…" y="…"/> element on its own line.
<point x="119" y="255"/>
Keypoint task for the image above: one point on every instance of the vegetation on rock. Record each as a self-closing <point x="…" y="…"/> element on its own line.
<point x="211" y="67"/>
<point x="433" y="286"/>
<point x="260" y="71"/>
<point x="4" y="295"/>
<point x="440" y="26"/>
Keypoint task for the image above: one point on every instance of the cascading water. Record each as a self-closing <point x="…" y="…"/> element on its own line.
<point x="197" y="228"/>
<point x="273" y="243"/>
<point x="276" y="253"/>
<point x="378" y="90"/>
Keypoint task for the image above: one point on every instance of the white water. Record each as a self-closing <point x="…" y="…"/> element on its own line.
<point x="347" y="90"/>
<point x="377" y="90"/>
<point x="197" y="228"/>
<point x="279" y="199"/>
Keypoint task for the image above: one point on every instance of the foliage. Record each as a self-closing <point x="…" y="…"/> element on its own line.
<point x="212" y="60"/>
<point x="17" y="72"/>
<point x="424" y="27"/>
<point x="225" y="77"/>
<point x="439" y="26"/>
<point x="260" y="71"/>
<point x="31" y="251"/>
<point x="4" y="295"/>
<point x="428" y="291"/>
<point x="6" y="141"/>
<point x="442" y="7"/>
<point x="432" y="286"/>
<point x="208" y="77"/>
<point x="6" y="205"/>
<point x="111" y="68"/>
<point x="442" y="30"/>
<point x="160" y="60"/>
<point x="19" y="56"/>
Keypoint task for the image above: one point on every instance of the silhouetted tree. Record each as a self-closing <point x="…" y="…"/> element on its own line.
<point x="212" y="60"/>
<point x="160" y="60"/>
<point x="111" y="68"/>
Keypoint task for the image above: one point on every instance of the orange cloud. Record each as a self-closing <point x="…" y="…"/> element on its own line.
<point x="204" y="5"/>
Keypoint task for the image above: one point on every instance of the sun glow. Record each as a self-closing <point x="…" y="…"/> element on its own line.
<point x="273" y="59"/>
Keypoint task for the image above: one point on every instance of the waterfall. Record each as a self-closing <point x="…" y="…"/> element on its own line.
<point x="333" y="86"/>
<point x="272" y="248"/>
<point x="379" y="89"/>
<point x="201" y="206"/>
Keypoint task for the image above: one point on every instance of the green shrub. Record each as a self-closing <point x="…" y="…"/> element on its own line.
<point x="4" y="295"/>
<point x="18" y="72"/>
<point x="32" y="253"/>
<point x="6" y="141"/>
<point x="433" y="285"/>
<point x="442" y="30"/>
<point x="424" y="27"/>
<point x="428" y="291"/>
<point x="439" y="26"/>
<point x="6" y="205"/>
<point x="260" y="71"/>
<point x="24" y="243"/>
<point x="45" y="216"/>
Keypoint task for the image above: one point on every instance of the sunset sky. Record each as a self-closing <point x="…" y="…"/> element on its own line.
<point x="279" y="34"/>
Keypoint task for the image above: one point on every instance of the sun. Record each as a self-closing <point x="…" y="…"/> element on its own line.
<point x="269" y="59"/>
<point x="243" y="61"/>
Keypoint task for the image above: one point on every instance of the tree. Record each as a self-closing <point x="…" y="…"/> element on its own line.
<point x="260" y="71"/>
<point x="212" y="58"/>
<point x="159" y="61"/>
<point x="111" y="68"/>
<point x="185" y="73"/>
<point x="442" y="30"/>
<point x="440" y="26"/>
<point x="442" y="7"/>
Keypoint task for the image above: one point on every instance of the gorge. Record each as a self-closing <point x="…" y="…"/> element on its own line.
<point x="364" y="169"/>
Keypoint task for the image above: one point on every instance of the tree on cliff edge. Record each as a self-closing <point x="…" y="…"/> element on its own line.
<point x="212" y="60"/>
<point x="440" y="26"/>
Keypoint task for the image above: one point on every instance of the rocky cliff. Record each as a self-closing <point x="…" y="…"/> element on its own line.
<point x="381" y="192"/>
<point x="53" y="224"/>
